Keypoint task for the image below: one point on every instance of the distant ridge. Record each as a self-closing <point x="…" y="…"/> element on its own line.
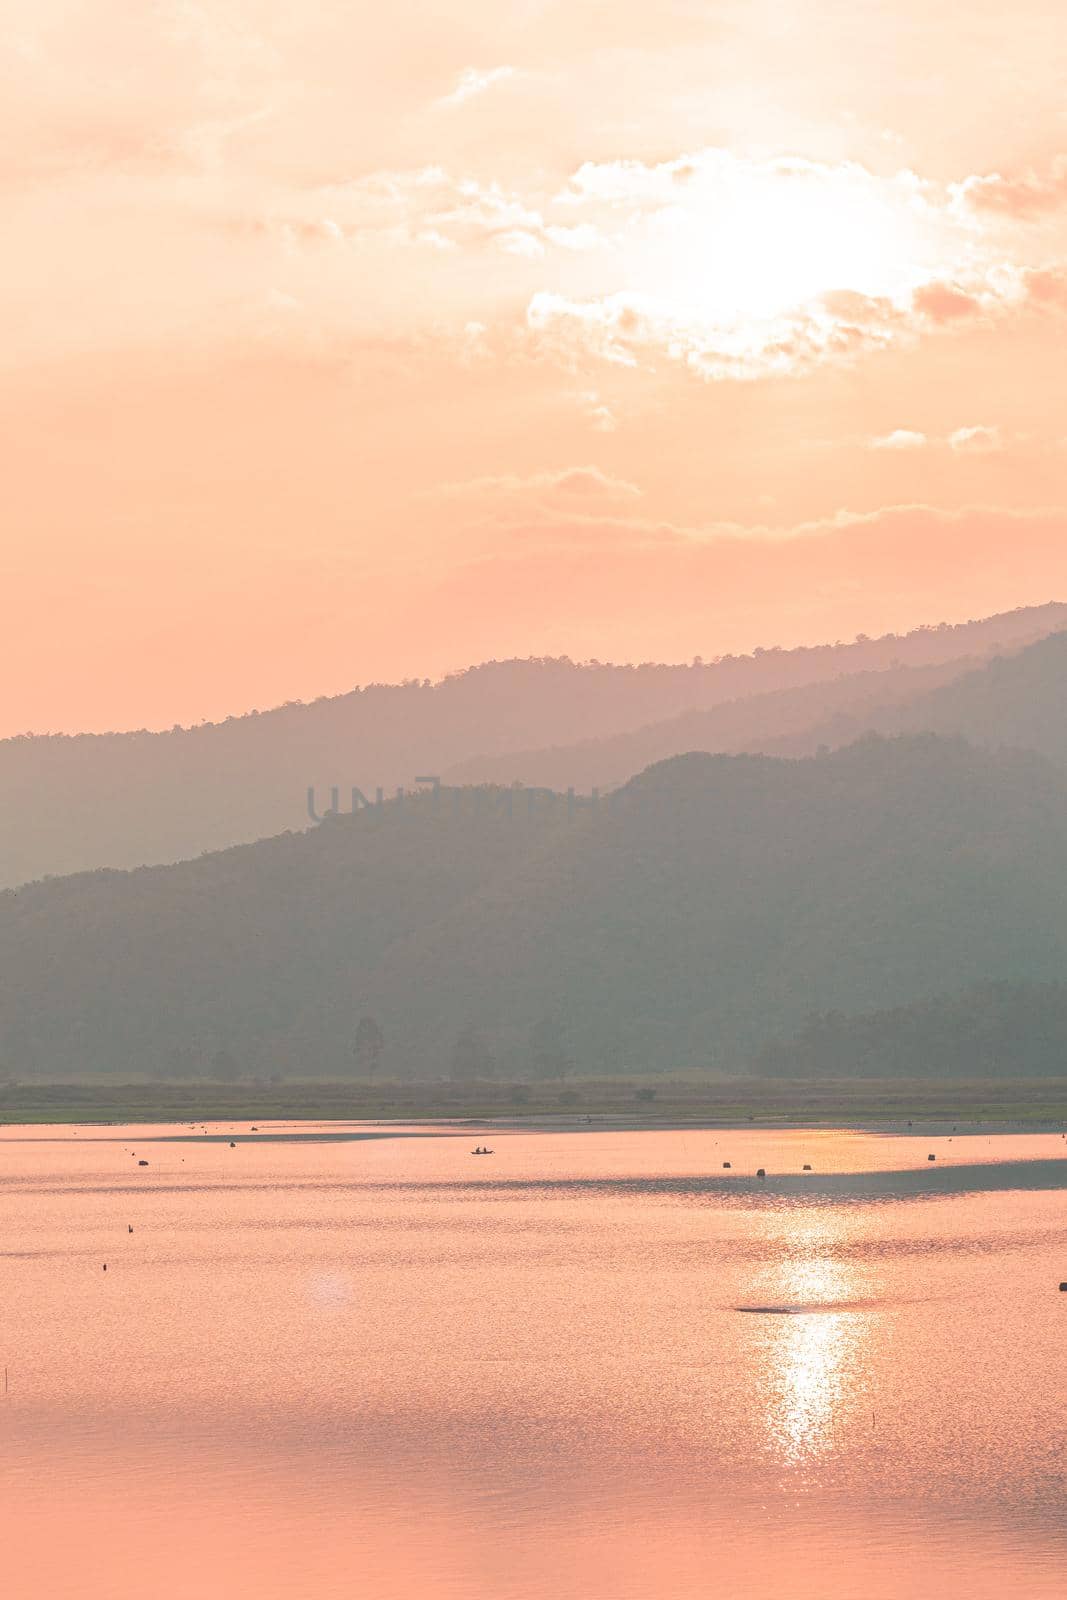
<point x="783" y="720"/>
<point x="1018" y="701"/>
<point x="75" y="802"/>
<point x="1015" y="699"/>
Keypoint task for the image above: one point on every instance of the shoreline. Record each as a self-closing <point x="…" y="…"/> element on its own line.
<point x="575" y="1105"/>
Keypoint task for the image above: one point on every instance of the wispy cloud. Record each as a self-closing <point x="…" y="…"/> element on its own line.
<point x="575" y="484"/>
<point x="978" y="441"/>
<point x="1025" y="198"/>
<point x="900" y="439"/>
<point x="474" y="81"/>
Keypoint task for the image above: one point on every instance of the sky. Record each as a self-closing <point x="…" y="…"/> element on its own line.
<point x="350" y="343"/>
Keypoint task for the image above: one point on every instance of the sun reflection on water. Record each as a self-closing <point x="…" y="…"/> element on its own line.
<point x="816" y="1379"/>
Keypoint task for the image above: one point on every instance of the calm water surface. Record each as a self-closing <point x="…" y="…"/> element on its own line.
<point x="593" y="1365"/>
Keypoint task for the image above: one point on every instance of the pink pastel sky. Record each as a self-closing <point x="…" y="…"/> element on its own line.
<point x="352" y="342"/>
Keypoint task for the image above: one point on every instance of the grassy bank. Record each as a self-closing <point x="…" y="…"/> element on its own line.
<point x="667" y="1101"/>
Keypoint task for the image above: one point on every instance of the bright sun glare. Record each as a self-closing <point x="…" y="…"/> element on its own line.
<point x="763" y="242"/>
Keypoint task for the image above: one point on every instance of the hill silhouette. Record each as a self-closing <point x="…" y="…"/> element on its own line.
<point x="75" y="802"/>
<point x="711" y="907"/>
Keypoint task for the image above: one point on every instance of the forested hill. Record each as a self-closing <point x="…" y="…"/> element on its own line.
<point x="1016" y="701"/>
<point x="709" y="909"/>
<point x="993" y="1030"/>
<point x="70" y="803"/>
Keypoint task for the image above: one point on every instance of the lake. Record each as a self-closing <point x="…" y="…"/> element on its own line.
<point x="594" y="1365"/>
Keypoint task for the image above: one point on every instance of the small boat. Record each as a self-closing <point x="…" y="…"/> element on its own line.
<point x="481" y="1151"/>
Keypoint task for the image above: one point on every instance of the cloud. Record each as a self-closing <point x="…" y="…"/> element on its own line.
<point x="1045" y="288"/>
<point x="900" y="439"/>
<point x="733" y="268"/>
<point x="568" y="507"/>
<point x="569" y="483"/>
<point x="630" y="330"/>
<point x="741" y="269"/>
<point x="1023" y="199"/>
<point x="587" y="481"/>
<point x="518" y="242"/>
<point x="945" y="302"/>
<point x="976" y="441"/>
<point x="474" y="81"/>
<point x="582" y="237"/>
<point x="600" y="415"/>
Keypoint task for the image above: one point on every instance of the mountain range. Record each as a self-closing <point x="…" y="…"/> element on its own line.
<point x="70" y="803"/>
<point x="861" y="872"/>
<point x="707" y="908"/>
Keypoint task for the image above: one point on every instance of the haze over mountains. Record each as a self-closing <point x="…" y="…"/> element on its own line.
<point x="785" y="721"/>
<point x="887" y="885"/>
<point x="75" y="802"/>
<point x="1012" y="699"/>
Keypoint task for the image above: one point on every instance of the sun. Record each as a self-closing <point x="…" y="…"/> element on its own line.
<point x="759" y="241"/>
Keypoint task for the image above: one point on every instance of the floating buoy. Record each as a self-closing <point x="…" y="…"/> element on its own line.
<point x="726" y="1166"/>
<point x="931" y="1158"/>
<point x="807" y="1166"/>
<point x="232" y="1145"/>
<point x="1063" y="1288"/>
